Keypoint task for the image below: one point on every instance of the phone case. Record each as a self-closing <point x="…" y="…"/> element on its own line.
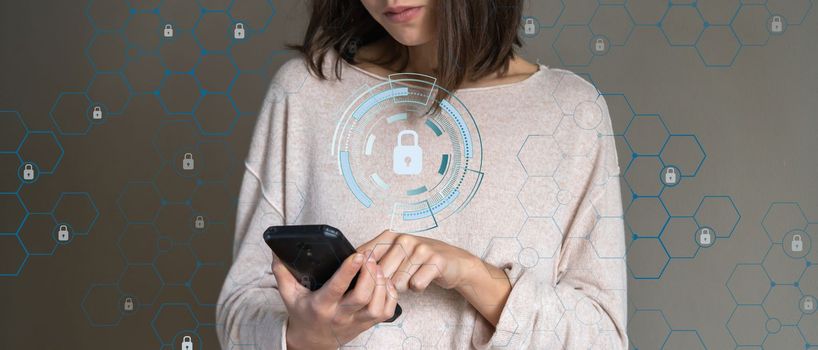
<point x="312" y="253"/>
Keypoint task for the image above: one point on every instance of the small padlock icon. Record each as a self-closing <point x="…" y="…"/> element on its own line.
<point x="168" y="32"/>
<point x="128" y="305"/>
<point x="670" y="176"/>
<point x="599" y="45"/>
<point x="407" y="159"/>
<point x="797" y="243"/>
<point x="188" y="162"/>
<point x="199" y="223"/>
<point x="530" y="28"/>
<point x="62" y="234"/>
<point x="238" y="32"/>
<point x="97" y="113"/>
<point x="28" y="172"/>
<point x="777" y="25"/>
<point x="187" y="343"/>
<point x="706" y="237"/>
<point x="809" y="304"/>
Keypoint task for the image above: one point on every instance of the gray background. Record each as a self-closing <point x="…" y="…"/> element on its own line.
<point x="748" y="97"/>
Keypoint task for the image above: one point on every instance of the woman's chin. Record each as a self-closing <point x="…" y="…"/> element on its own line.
<point x="410" y="39"/>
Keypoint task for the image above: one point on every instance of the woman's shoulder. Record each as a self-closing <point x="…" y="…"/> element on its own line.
<point x="566" y="86"/>
<point x="295" y="75"/>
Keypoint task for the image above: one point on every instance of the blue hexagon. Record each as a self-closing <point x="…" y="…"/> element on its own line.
<point x="781" y="268"/>
<point x="748" y="325"/>
<point x="718" y="46"/>
<point x="14" y="256"/>
<point x="139" y="201"/>
<point x="539" y="155"/>
<point x="71" y="113"/>
<point x="678" y="239"/>
<point x="44" y="149"/>
<point x="570" y="54"/>
<point x="642" y="176"/>
<point x="111" y="91"/>
<point x="106" y="52"/>
<point x="170" y="319"/>
<point x="783" y="303"/>
<point x="180" y="93"/>
<point x="37" y="234"/>
<point x="100" y="305"/>
<point x="78" y="209"/>
<point x="14" y="213"/>
<point x="750" y="25"/>
<point x="682" y="25"/>
<point x="647" y="258"/>
<point x="201" y="284"/>
<point x="718" y="11"/>
<point x="647" y="12"/>
<point x="783" y="217"/>
<point x="256" y="15"/>
<point x="684" y="339"/>
<point x="140" y="281"/>
<point x="748" y="284"/>
<point x="612" y="21"/>
<point x="216" y="115"/>
<point x="646" y="217"/>
<point x="787" y="338"/>
<point x="177" y="265"/>
<point x="794" y="10"/>
<point x="653" y="327"/>
<point x="646" y="134"/>
<point x="107" y="15"/>
<point x="719" y="213"/>
<point x="14" y="130"/>
<point x="680" y="149"/>
<point x="538" y="196"/>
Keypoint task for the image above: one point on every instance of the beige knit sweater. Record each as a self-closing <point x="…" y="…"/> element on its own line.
<point x="548" y="212"/>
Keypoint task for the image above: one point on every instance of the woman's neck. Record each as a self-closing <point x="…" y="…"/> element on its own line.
<point x="422" y="59"/>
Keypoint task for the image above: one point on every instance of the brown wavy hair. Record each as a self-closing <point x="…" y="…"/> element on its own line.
<point x="475" y="37"/>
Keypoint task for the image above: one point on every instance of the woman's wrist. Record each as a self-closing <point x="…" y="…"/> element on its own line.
<point x="296" y="340"/>
<point x="494" y="287"/>
<point x="472" y="268"/>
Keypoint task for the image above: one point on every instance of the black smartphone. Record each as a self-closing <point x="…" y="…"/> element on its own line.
<point x="312" y="253"/>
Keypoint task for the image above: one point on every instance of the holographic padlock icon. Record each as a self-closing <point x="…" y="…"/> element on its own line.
<point x="797" y="244"/>
<point x="187" y="162"/>
<point x="670" y="176"/>
<point x="238" y="31"/>
<point x="62" y="234"/>
<point x="28" y="172"/>
<point x="530" y="28"/>
<point x="599" y="45"/>
<point x="706" y="237"/>
<point x="407" y="159"/>
<point x="187" y="343"/>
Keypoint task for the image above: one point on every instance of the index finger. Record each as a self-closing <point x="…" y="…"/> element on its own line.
<point x="287" y="285"/>
<point x="380" y="244"/>
<point x="334" y="289"/>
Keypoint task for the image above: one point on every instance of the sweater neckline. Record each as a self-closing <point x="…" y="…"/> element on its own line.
<point x="541" y="69"/>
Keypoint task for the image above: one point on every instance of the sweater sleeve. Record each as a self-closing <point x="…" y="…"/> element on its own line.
<point x="250" y="310"/>
<point x="580" y="303"/>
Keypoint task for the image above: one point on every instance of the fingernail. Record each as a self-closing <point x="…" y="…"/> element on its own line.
<point x="359" y="258"/>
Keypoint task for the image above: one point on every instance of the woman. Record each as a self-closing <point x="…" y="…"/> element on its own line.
<point x="461" y="285"/>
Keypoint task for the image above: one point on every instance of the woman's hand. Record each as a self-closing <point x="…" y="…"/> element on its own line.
<point x="413" y="262"/>
<point x="327" y="318"/>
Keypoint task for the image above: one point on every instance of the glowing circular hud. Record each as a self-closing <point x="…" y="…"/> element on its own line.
<point x="400" y="155"/>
